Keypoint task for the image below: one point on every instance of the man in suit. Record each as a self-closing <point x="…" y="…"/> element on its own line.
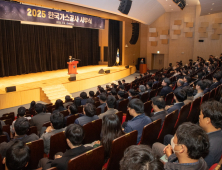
<point x="155" y="80"/>
<point x="200" y="87"/>
<point x="68" y="101"/>
<point x="123" y="82"/>
<point x="179" y="97"/>
<point x="122" y="88"/>
<point x="74" y="136"/>
<point x="102" y="100"/>
<point x="166" y="88"/>
<point x="208" y="84"/>
<point x="189" y="91"/>
<point x="83" y="97"/>
<point x="186" y="80"/>
<point x="180" y="84"/>
<point x="131" y="93"/>
<point x="41" y="117"/>
<point x="110" y="103"/>
<point x="142" y="90"/>
<point x="120" y="96"/>
<point x="158" y="104"/>
<point x="216" y="81"/>
<point x="56" y="120"/>
<point x="149" y="85"/>
<point x="72" y="109"/>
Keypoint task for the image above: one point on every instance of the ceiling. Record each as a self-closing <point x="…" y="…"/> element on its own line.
<point x="210" y="6"/>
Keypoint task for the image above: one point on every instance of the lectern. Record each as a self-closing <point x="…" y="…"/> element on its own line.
<point x="72" y="70"/>
<point x="143" y="68"/>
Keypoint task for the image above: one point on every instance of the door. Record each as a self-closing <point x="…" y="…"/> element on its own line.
<point x="158" y="61"/>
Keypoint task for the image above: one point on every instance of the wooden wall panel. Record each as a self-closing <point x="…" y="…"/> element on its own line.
<point x="154" y="43"/>
<point x="218" y="31"/>
<point x="218" y="20"/>
<point x="215" y="25"/>
<point x="177" y="32"/>
<point x="215" y="37"/>
<point x="189" y="24"/>
<point x="154" y="34"/>
<point x="189" y="35"/>
<point x="204" y="24"/>
<point x="178" y="22"/>
<point x="164" y="41"/>
<point x="202" y="29"/>
<point x="203" y="35"/>
<point x="165" y="32"/>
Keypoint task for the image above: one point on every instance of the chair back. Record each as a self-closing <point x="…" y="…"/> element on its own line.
<point x="119" y="145"/>
<point x="98" y="111"/>
<point x="97" y="104"/>
<point x="57" y="144"/>
<point x="152" y="94"/>
<point x="32" y="129"/>
<point x="205" y="97"/>
<point x="65" y="113"/>
<point x="91" y="160"/>
<point x="36" y="153"/>
<point x="147" y="108"/>
<point x="80" y="109"/>
<point x="120" y="116"/>
<point x="194" y="111"/>
<point x="92" y="131"/>
<point x="128" y="116"/>
<point x="6" y="128"/>
<point x="2" y="166"/>
<point x="150" y="133"/>
<point x="217" y="93"/>
<point x="168" y="125"/>
<point x="144" y="97"/>
<point x="71" y="119"/>
<point x="169" y="98"/>
<point x="46" y="124"/>
<point x="3" y="138"/>
<point x="123" y="105"/>
<point x="212" y="93"/>
<point x="6" y="120"/>
<point x="155" y="86"/>
<point x="158" y="90"/>
<point x="10" y="115"/>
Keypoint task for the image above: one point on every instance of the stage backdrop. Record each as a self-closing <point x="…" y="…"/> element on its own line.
<point x="30" y="49"/>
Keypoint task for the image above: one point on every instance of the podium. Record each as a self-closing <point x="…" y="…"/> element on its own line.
<point x="72" y="71"/>
<point x="143" y="68"/>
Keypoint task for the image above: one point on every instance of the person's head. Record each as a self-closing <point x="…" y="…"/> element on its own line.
<point x="190" y="71"/>
<point x="56" y="120"/>
<point x="166" y="82"/>
<point x="187" y="79"/>
<point x="74" y="135"/>
<point x="135" y="107"/>
<point x="83" y="95"/>
<point x="158" y="103"/>
<point x="119" y="83"/>
<point x="32" y="104"/>
<point x="113" y="92"/>
<point x="131" y="92"/>
<point x="91" y="94"/>
<point x="149" y="85"/>
<point x="21" y="111"/>
<point x="180" y="82"/>
<point x="200" y="75"/>
<point x="68" y="98"/>
<point x="98" y="87"/>
<point x="102" y="98"/>
<point x="39" y="107"/>
<point x="140" y="157"/>
<point x="77" y="101"/>
<point x="120" y="94"/>
<point x="156" y="78"/>
<point x="207" y="82"/>
<point x="201" y="85"/>
<point x="70" y="57"/>
<point x="111" y="101"/>
<point x="180" y="95"/>
<point x="122" y="88"/>
<point x="216" y="77"/>
<point x="123" y="81"/>
<point x="189" y="91"/>
<point x="190" y="141"/>
<point x="21" y="126"/>
<point x="210" y="115"/>
<point x="90" y="100"/>
<point x="89" y="110"/>
<point x="142" y="88"/>
<point x="101" y="90"/>
<point x="72" y="109"/>
<point x="17" y="156"/>
<point x="58" y="103"/>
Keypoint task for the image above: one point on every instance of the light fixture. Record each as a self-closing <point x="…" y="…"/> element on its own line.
<point x="158" y="52"/>
<point x="171" y="9"/>
<point x="211" y="9"/>
<point x="45" y="24"/>
<point x="212" y="3"/>
<point x="126" y="45"/>
<point x="169" y="5"/>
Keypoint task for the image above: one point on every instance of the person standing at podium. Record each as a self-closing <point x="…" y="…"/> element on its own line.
<point x="141" y="61"/>
<point x="71" y="59"/>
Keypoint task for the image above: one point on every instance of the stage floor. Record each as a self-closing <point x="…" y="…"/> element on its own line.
<point x="48" y="78"/>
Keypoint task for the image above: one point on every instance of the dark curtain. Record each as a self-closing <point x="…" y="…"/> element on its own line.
<point x="30" y="49"/>
<point x="115" y="41"/>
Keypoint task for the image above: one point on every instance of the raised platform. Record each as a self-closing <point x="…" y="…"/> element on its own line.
<point x="29" y="87"/>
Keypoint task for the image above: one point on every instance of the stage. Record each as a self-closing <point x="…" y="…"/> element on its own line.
<point x="42" y="86"/>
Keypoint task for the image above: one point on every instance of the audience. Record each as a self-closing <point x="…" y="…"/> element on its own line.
<point x="68" y="101"/>
<point x="180" y="85"/>
<point x="149" y="85"/>
<point x="131" y="93"/>
<point x="200" y="87"/>
<point x="122" y="88"/>
<point x="189" y="91"/>
<point x="72" y="109"/>
<point x="166" y="88"/>
<point x="59" y="106"/>
<point x="123" y="82"/>
<point x="142" y="90"/>
<point x="4" y="133"/>
<point x="120" y="96"/>
<point x="102" y="100"/>
<point x="208" y="84"/>
<point x="83" y="97"/>
<point x="216" y="81"/>
<point x="90" y="100"/>
<point x="77" y="101"/>
<point x="32" y="106"/>
<point x="155" y="80"/>
<point x="91" y="94"/>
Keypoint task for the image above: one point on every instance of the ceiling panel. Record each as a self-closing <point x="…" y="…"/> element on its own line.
<point x="210" y="6"/>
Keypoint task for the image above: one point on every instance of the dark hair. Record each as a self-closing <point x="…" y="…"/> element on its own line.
<point x="167" y="81"/>
<point x="213" y="110"/>
<point x="202" y="84"/>
<point x="189" y="90"/>
<point x="119" y="83"/>
<point x="113" y="91"/>
<point x="187" y="78"/>
<point x="73" y="109"/>
<point x="111" y="101"/>
<point x="75" y="134"/>
<point x="101" y="89"/>
<point x="39" y="107"/>
<point x="89" y="109"/>
<point x="91" y="93"/>
<point x="58" y="103"/>
<point x="159" y="102"/>
<point x="194" y="138"/>
<point x="208" y="82"/>
<point x="121" y="87"/>
<point x="200" y="75"/>
<point x="150" y="84"/>
<point x="21" y="126"/>
<point x="57" y="120"/>
<point x="68" y="98"/>
<point x="21" y="111"/>
<point x="111" y="129"/>
<point x="137" y="105"/>
<point x="132" y="92"/>
<point x="32" y="105"/>
<point x="140" y="157"/>
<point x="102" y="97"/>
<point x="156" y="78"/>
<point x="83" y="95"/>
<point x="180" y="95"/>
<point x="217" y="76"/>
<point x="1" y="130"/>
<point x="90" y="100"/>
<point x="77" y="101"/>
<point x="17" y="156"/>
<point x="121" y="94"/>
<point x="123" y="80"/>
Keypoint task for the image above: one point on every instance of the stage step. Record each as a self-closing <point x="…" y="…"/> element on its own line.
<point x="55" y="92"/>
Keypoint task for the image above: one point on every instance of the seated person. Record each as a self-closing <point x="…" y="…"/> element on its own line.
<point x="110" y="103"/>
<point x="74" y="136"/>
<point x="120" y="96"/>
<point x="200" y="87"/>
<point x="122" y="88"/>
<point x="41" y="117"/>
<point x="56" y="120"/>
<point x="59" y="106"/>
<point x="91" y="94"/>
<point x="123" y="82"/>
<point x="136" y="109"/>
<point x="17" y="156"/>
<point x="179" y="97"/>
<point x="155" y="80"/>
<point x="140" y="157"/>
<point x="131" y="93"/>
<point x="189" y="144"/>
<point x="72" y="111"/>
<point x="83" y="97"/>
<point x="97" y="92"/>
<point x="208" y="84"/>
<point x="4" y="133"/>
<point x="101" y="90"/>
<point x="149" y="85"/>
<point x="166" y="88"/>
<point x="77" y="101"/>
<point x="113" y="92"/>
<point x="189" y="92"/>
<point x="21" y="128"/>
<point x="68" y="101"/>
<point x="90" y="100"/>
<point x="102" y="100"/>
<point x="142" y="90"/>
<point x="158" y="104"/>
<point x="216" y="81"/>
<point x="89" y="112"/>
<point x="180" y="84"/>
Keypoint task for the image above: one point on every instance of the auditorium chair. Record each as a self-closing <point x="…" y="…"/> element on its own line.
<point x="2" y="166"/>
<point x="127" y="87"/>
<point x="57" y="144"/>
<point x="182" y="117"/>
<point x="10" y="115"/>
<point x="47" y="124"/>
<point x="168" y="125"/>
<point x="97" y="104"/>
<point x="32" y="129"/>
<point x="119" y="145"/>
<point x="194" y="111"/>
<point x="212" y="93"/>
<point x="80" y="109"/>
<point x="123" y="105"/>
<point x="169" y="98"/>
<point x="7" y="121"/>
<point x="128" y="116"/>
<point x="120" y="116"/>
<point x="3" y="138"/>
<point x="158" y="90"/>
<point x="36" y="153"/>
<point x="152" y="94"/>
<point x="65" y="113"/>
<point x="205" y="97"/>
<point x="155" y="86"/>
<point x="98" y="111"/>
<point x="71" y="119"/>
<point x="159" y="84"/>
<point x="136" y="97"/>
<point x="217" y="93"/>
<point x="92" y="131"/>
<point x="148" y="108"/>
<point x="105" y="109"/>
<point x="6" y="128"/>
<point x="144" y="97"/>
<point x="91" y="160"/>
<point x="150" y="133"/>
<point x="50" y="108"/>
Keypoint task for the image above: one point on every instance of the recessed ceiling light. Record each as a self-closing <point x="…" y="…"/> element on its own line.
<point x="187" y="4"/>
<point x="211" y="9"/>
<point x="171" y="9"/>
<point x="212" y="3"/>
<point x="208" y="13"/>
<point x="169" y="5"/>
